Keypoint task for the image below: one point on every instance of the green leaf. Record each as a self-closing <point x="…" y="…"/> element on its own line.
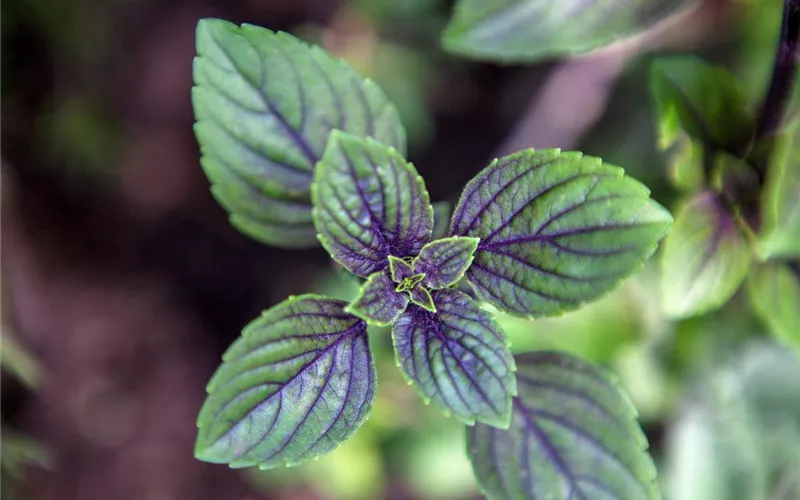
<point x="422" y="297"/>
<point x="774" y="291"/>
<point x="703" y="100"/>
<point x="705" y="258"/>
<point x="458" y="358"/>
<point x="686" y="167"/>
<point x="441" y="219"/>
<point x="297" y="383"/>
<point x="265" y="105"/>
<point x="780" y="202"/>
<point x="573" y="434"/>
<point x="378" y="302"/>
<point x="530" y="30"/>
<point x="369" y="203"/>
<point x="556" y="230"/>
<point x="444" y="261"/>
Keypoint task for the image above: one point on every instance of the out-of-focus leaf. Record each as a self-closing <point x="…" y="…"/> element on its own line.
<point x="774" y="291"/>
<point x="556" y="230"/>
<point x="444" y="261"/>
<point x="458" y="358"/>
<point x="779" y="235"/>
<point x="441" y="219"/>
<point x="297" y="383"/>
<point x="573" y="434"/>
<point x="705" y="258"/>
<point x="530" y="30"/>
<point x="378" y="302"/>
<point x="369" y="203"/>
<point x="703" y="100"/>
<point x="686" y="163"/>
<point x="265" y="104"/>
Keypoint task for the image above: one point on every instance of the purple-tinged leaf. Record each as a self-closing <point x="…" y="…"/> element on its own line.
<point x="378" y="302"/>
<point x="458" y="358"/>
<point x="265" y="104"/>
<point x="705" y="258"/>
<point x="573" y="434"/>
<point x="444" y="262"/>
<point x="400" y="269"/>
<point x="297" y="383"/>
<point x="369" y="203"/>
<point x="422" y="297"/>
<point x="557" y="230"/>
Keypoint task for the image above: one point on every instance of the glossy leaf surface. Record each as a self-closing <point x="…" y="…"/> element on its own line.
<point x="297" y="383"/>
<point x="701" y="99"/>
<point x="556" y="230"/>
<point x="378" y="302"/>
<point x="265" y="105"/>
<point x="573" y="434"/>
<point x="774" y="291"/>
<point x="369" y="203"/>
<point x="444" y="261"/>
<point x="705" y="258"/>
<point x="458" y="358"/>
<point x="530" y="30"/>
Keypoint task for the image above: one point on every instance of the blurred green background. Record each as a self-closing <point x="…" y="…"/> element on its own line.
<point x="122" y="282"/>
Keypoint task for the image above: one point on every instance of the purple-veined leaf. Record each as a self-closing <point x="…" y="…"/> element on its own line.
<point x="557" y="230"/>
<point x="705" y="258"/>
<point x="444" y="261"/>
<point x="369" y="203"/>
<point x="400" y="269"/>
<point x="458" y="358"/>
<point x="378" y="301"/>
<point x="573" y="434"/>
<point x="265" y="104"/>
<point x="297" y="383"/>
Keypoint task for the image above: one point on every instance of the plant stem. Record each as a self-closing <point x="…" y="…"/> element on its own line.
<point x="783" y="72"/>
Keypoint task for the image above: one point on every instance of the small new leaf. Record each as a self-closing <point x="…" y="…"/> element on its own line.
<point x="705" y="258"/>
<point x="265" y="105"/>
<point x="556" y="230"/>
<point x="369" y="203"/>
<point x="400" y="269"/>
<point x="297" y="383"/>
<point x="530" y="30"/>
<point x="774" y="291"/>
<point x="378" y="302"/>
<point x="458" y="358"/>
<point x="422" y="297"/>
<point x="444" y="261"/>
<point x="573" y="434"/>
<point x="703" y="100"/>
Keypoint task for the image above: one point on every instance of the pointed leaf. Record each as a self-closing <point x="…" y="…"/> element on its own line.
<point x="701" y="99"/>
<point x="780" y="202"/>
<point x="265" y="104"/>
<point x="573" y="434"/>
<point x="774" y="291"/>
<point x="556" y="230"/>
<point x="297" y="383"/>
<point x="422" y="297"/>
<point x="444" y="261"/>
<point x="530" y="30"/>
<point x="458" y="358"/>
<point x="378" y="302"/>
<point x="369" y="203"/>
<point x="705" y="258"/>
<point x="400" y="269"/>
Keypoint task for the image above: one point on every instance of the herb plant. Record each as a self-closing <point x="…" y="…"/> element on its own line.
<point x="297" y="146"/>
